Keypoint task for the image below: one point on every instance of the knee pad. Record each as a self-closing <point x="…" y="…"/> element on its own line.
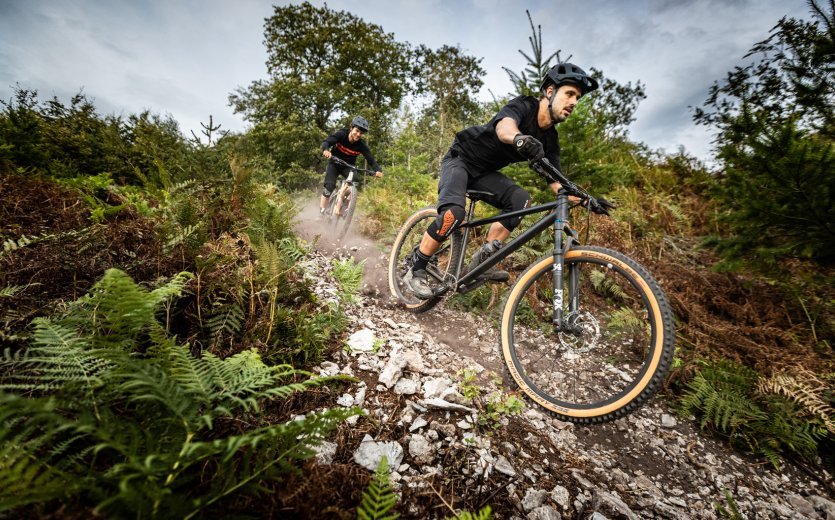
<point x="327" y="190"/>
<point x="515" y="199"/>
<point x="448" y="220"/>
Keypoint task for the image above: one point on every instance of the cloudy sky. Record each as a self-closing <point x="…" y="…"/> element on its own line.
<point x="184" y="57"/>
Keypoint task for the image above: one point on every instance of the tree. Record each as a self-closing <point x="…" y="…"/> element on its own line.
<point x="325" y="66"/>
<point x="450" y="78"/>
<point x="594" y="148"/>
<point x="527" y="83"/>
<point x="775" y="124"/>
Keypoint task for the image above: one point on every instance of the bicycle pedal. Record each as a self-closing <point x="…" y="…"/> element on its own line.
<point x="475" y="284"/>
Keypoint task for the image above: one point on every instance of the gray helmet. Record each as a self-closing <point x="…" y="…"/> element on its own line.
<point x="360" y="123"/>
<point x="567" y="73"/>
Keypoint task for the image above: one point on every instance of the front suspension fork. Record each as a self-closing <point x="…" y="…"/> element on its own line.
<point x="561" y="246"/>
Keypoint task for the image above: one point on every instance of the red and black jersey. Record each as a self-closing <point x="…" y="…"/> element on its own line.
<point x="348" y="151"/>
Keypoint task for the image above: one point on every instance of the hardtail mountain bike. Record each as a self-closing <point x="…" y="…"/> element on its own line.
<point x="586" y="332"/>
<point x="343" y="201"/>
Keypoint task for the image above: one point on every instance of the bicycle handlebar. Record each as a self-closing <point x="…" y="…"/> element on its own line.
<point x="337" y="160"/>
<point x="553" y="174"/>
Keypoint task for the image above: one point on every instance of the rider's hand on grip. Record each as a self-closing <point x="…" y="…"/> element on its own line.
<point x="600" y="206"/>
<point x="528" y="147"/>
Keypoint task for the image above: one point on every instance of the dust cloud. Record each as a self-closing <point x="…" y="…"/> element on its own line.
<point x="322" y="236"/>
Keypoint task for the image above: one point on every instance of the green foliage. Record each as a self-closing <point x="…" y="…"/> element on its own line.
<point x="105" y="410"/>
<point x="779" y="195"/>
<point x="69" y="141"/>
<point x="527" y="83"/>
<point x="725" y="395"/>
<point x="732" y="511"/>
<point x="379" y="498"/>
<point x="775" y="125"/>
<point x="348" y="274"/>
<point x="324" y="68"/>
<point x="451" y="79"/>
<point x="492" y="409"/>
<point x="485" y="513"/>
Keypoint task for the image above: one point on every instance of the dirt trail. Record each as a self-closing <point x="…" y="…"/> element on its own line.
<point x="650" y="464"/>
<point x="463" y="332"/>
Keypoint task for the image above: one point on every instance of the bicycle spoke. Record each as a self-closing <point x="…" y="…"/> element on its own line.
<point x="608" y="352"/>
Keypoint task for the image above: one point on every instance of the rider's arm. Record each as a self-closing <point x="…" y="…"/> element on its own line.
<point x="331" y="140"/>
<point x="372" y="164"/>
<point x="506" y="129"/>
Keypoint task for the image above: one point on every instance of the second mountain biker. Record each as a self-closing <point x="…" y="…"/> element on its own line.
<point x="522" y="130"/>
<point x="345" y="144"/>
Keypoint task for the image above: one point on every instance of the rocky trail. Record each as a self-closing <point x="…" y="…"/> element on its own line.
<point x="448" y="453"/>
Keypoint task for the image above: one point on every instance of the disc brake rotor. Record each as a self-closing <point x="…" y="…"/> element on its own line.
<point x="586" y="339"/>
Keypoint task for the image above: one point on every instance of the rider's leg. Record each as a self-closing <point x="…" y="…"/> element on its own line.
<point x="509" y="197"/>
<point x="452" y="195"/>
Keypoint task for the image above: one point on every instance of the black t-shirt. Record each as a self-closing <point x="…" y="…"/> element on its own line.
<point x="341" y="147"/>
<point x="480" y="147"/>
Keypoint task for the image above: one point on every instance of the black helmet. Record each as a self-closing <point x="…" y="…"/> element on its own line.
<point x="565" y="73"/>
<point x="360" y="123"/>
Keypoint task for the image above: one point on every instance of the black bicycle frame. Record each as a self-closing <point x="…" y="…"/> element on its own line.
<point x="564" y="238"/>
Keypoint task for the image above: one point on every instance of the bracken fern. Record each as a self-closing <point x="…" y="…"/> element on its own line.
<point x="105" y="409"/>
<point x="728" y="396"/>
<point x="379" y="498"/>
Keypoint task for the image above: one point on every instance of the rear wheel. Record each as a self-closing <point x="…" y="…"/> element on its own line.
<point x="440" y="267"/>
<point x="620" y="346"/>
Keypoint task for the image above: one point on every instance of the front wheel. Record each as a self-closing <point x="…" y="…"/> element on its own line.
<point x="346" y="212"/>
<point x="440" y="268"/>
<point x="615" y="346"/>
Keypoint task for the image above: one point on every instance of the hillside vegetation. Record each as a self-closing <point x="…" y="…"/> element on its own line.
<point x="156" y="315"/>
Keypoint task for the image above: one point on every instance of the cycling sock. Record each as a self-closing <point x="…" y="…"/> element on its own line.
<point x="421" y="260"/>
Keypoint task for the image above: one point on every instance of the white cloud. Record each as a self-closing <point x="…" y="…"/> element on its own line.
<point x="184" y="57"/>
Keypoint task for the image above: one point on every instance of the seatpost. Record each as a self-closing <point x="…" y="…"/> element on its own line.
<point x="559" y="224"/>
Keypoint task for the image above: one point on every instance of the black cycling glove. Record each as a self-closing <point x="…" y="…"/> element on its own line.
<point x="528" y="147"/>
<point x="600" y="206"/>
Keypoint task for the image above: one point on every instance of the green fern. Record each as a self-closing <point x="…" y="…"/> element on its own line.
<point x="293" y="248"/>
<point x="104" y="407"/>
<point x="606" y="286"/>
<point x="726" y="395"/>
<point x="721" y="392"/>
<point x="348" y="275"/>
<point x="625" y="320"/>
<point x="224" y="321"/>
<point x="732" y="511"/>
<point x="484" y="514"/>
<point x="11" y="290"/>
<point x="379" y="499"/>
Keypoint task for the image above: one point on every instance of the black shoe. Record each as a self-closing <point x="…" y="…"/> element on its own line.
<point x="418" y="282"/>
<point x="493" y="274"/>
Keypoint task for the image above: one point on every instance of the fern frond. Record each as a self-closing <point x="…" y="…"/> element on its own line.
<point x="225" y="320"/>
<point x="484" y="514"/>
<point x="11" y="290"/>
<point x="348" y="275"/>
<point x="721" y="392"/>
<point x="292" y="248"/>
<point x="804" y="388"/>
<point x="379" y="498"/>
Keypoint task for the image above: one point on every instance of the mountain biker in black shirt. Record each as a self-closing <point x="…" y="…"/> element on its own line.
<point x="524" y="129"/>
<point x="346" y="144"/>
